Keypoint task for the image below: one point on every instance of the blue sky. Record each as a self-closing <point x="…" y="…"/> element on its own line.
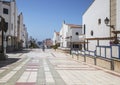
<point x="42" y="17"/>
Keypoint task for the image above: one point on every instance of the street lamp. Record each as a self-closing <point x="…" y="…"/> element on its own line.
<point x="107" y="22"/>
<point x="116" y="41"/>
<point x="3" y="28"/>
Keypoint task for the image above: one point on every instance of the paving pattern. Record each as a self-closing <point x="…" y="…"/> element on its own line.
<point x="53" y="68"/>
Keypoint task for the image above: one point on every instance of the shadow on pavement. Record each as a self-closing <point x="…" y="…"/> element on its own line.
<point x="8" y="61"/>
<point x="21" y="51"/>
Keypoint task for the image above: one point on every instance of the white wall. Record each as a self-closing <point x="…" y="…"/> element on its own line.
<point x="75" y="38"/>
<point x="65" y="31"/>
<point x="56" y="38"/>
<point x="24" y="36"/>
<point x="98" y="10"/>
<point x="16" y="19"/>
<point x="118" y="15"/>
<point x="6" y="16"/>
<point x="21" y="26"/>
<point x="61" y="37"/>
<point x="12" y="19"/>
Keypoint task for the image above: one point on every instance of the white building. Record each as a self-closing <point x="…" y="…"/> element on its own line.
<point x="69" y="36"/>
<point x="22" y="33"/>
<point x="24" y="36"/>
<point x="48" y="43"/>
<point x="118" y="14"/>
<point x="16" y="35"/>
<point x="97" y="33"/>
<point x="56" y="38"/>
<point x="8" y="10"/>
<point x="20" y="26"/>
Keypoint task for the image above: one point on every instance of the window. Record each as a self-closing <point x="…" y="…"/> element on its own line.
<point x="77" y="33"/>
<point x="75" y="46"/>
<point x="99" y="21"/>
<point x="5" y="11"/>
<point x="91" y="33"/>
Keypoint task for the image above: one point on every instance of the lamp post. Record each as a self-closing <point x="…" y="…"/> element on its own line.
<point x="116" y="41"/>
<point x="70" y="44"/>
<point x="3" y="29"/>
<point x="107" y="22"/>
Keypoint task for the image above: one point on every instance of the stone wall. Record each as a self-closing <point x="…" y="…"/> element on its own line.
<point x="117" y="66"/>
<point x="90" y="59"/>
<point x="103" y="63"/>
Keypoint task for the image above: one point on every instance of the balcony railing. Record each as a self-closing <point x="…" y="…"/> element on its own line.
<point x="80" y="38"/>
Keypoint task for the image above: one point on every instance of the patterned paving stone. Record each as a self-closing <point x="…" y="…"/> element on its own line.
<point x="54" y="68"/>
<point x="25" y="83"/>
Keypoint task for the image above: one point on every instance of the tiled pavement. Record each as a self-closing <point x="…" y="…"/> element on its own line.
<point x="54" y="68"/>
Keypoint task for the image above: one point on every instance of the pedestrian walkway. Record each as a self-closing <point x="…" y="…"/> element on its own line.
<point x="54" y="68"/>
